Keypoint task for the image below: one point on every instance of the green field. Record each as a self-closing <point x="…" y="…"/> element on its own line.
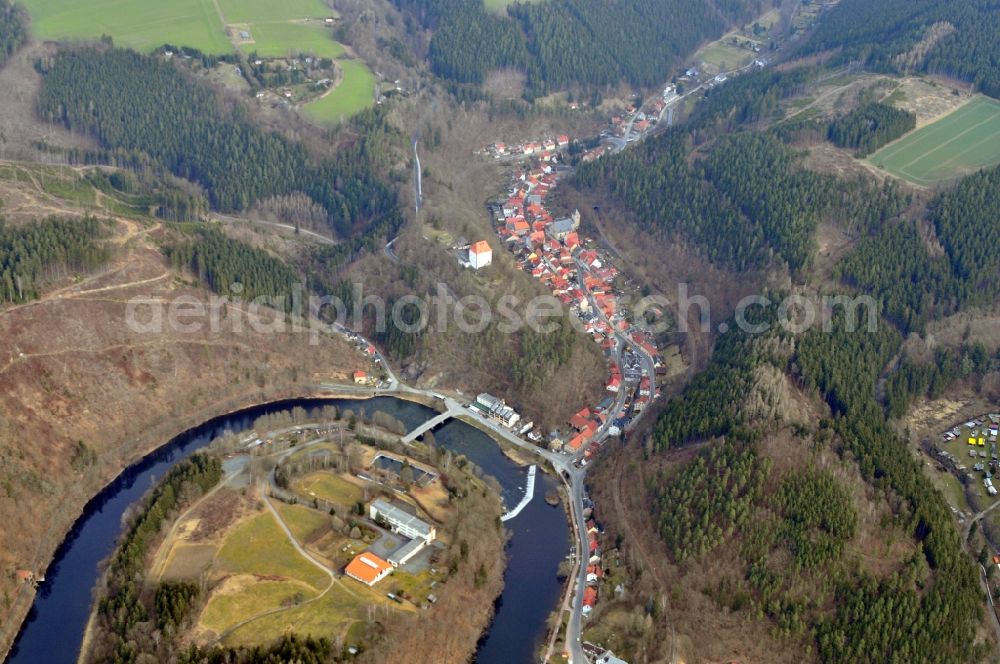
<point x="277" y="30"/>
<point x="725" y="55"/>
<point x="141" y="24"/>
<point x="326" y="485"/>
<point x="355" y="93"/>
<point x="305" y="523"/>
<point x="331" y="616"/>
<point x="963" y="141"/>
<point x="259" y="546"/>
<point x="278" y="40"/>
<point x="253" y="11"/>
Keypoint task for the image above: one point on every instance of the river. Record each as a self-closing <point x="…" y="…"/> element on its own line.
<point x="53" y="630"/>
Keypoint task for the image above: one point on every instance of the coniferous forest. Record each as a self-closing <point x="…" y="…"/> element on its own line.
<point x="913" y="284"/>
<point x="139" y="103"/>
<point x="870" y="126"/>
<point x="47" y="249"/>
<point x="962" y="37"/>
<point x="745" y="204"/>
<point x="222" y="263"/>
<point x="13" y="29"/>
<point x="592" y="43"/>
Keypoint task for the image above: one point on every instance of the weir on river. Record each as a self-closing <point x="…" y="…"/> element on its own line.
<point x="529" y="491"/>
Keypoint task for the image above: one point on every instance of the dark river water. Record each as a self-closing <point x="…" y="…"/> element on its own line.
<point x="54" y="628"/>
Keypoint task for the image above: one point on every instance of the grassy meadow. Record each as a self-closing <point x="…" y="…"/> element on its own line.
<point x="259" y="546"/>
<point x="254" y="11"/>
<point x="328" y="486"/>
<point x="277" y="29"/>
<point x="355" y="93"/>
<point x="278" y="40"/>
<point x="963" y="141"/>
<point x="140" y="24"/>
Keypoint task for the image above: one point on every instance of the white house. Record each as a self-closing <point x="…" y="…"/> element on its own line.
<point x="400" y="522"/>
<point x="480" y="254"/>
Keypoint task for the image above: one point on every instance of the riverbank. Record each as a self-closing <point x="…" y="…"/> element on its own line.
<point x="512" y="452"/>
<point x="74" y="507"/>
<point x="529" y="584"/>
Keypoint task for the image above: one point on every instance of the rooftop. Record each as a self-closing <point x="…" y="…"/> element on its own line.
<point x="402" y="517"/>
<point x="367" y="567"/>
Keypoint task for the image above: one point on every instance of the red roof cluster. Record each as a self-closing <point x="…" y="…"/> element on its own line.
<point x="576" y="275"/>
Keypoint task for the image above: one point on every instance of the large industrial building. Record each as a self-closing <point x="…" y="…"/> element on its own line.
<point x="496" y="409"/>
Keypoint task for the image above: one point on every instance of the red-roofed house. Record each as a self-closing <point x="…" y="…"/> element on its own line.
<point x="576" y="442"/>
<point x="480" y="254"/>
<point x="368" y="568"/>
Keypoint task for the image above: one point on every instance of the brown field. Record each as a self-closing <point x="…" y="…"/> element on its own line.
<point x="929" y="98"/>
<point x="188" y="561"/>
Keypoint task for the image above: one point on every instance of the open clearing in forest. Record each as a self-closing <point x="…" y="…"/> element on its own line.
<point x="963" y="141"/>
<point x="354" y="93"/>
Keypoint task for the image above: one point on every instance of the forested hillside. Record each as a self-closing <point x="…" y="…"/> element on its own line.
<point x="593" y="43"/>
<point x="914" y="285"/>
<point x="870" y="126"/>
<point x="141" y="104"/>
<point x="121" y="609"/>
<point x="13" y="29"/>
<point x="745" y="203"/>
<point x="45" y="250"/>
<point x="719" y="497"/>
<point x="739" y="192"/>
<point x="937" y="36"/>
<point x="222" y="263"/>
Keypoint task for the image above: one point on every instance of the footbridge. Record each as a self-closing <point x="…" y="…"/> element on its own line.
<point x="529" y="492"/>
